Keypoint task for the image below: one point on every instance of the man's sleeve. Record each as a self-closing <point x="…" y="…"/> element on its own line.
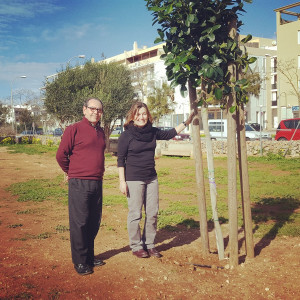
<point x="65" y="149"/>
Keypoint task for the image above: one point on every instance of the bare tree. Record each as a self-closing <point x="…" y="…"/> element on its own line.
<point x="289" y="70"/>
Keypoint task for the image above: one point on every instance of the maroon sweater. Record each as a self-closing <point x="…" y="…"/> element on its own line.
<point x="81" y="151"/>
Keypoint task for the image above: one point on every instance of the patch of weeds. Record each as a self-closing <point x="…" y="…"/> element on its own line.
<point x="29" y="285"/>
<point x="110" y="200"/>
<point x="190" y="223"/>
<point x="163" y="172"/>
<point x="24" y="238"/>
<point x="165" y="220"/>
<point x="189" y="210"/>
<point x="43" y="236"/>
<point x="24" y="295"/>
<point x="25" y="212"/>
<point x="276" y="216"/>
<point x="32" y="149"/>
<point x="38" y="190"/>
<point x="111" y="177"/>
<point x="61" y="228"/>
<point x="15" y="225"/>
<point x="109" y="228"/>
<point x="54" y="294"/>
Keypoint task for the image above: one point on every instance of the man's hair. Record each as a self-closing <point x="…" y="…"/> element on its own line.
<point x="86" y="102"/>
<point x="133" y="111"/>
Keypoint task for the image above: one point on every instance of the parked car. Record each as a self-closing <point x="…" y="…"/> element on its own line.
<point x="27" y="132"/>
<point x="165" y="128"/>
<point x="57" y="132"/>
<point x="117" y="130"/>
<point x="182" y="137"/>
<point x="256" y="126"/>
<point x="218" y="131"/>
<point x="288" y="129"/>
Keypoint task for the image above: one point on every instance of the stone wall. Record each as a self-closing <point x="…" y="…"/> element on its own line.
<point x="292" y="148"/>
<point x="183" y="148"/>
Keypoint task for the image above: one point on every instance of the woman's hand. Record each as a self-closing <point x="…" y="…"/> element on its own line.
<point x="190" y="118"/>
<point x="123" y="187"/>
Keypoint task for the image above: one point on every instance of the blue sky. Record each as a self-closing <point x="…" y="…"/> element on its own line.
<point x="38" y="37"/>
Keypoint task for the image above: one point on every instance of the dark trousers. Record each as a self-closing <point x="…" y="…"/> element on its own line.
<point x="85" y="211"/>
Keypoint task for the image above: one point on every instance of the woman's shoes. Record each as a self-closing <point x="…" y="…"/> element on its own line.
<point x="144" y="254"/>
<point x="140" y="253"/>
<point x="154" y="252"/>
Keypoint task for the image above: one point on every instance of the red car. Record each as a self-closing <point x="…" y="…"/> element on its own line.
<point x="288" y="129"/>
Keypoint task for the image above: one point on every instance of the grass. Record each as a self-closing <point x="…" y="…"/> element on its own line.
<point x="274" y="188"/>
<point x="32" y="149"/>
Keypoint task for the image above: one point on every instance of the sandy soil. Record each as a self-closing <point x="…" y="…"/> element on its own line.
<point x="35" y="268"/>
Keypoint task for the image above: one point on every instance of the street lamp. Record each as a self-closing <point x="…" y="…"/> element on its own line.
<point x="76" y="56"/>
<point x="11" y="100"/>
<point x="260" y="117"/>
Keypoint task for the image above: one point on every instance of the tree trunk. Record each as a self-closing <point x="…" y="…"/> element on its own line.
<point x="244" y="182"/>
<point x="232" y="167"/>
<point x="199" y="171"/>
<point x="107" y="142"/>
<point x="212" y="183"/>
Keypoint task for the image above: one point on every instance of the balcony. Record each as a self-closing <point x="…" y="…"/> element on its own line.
<point x="274" y="86"/>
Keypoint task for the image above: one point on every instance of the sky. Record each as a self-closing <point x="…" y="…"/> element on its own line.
<point x="39" y="37"/>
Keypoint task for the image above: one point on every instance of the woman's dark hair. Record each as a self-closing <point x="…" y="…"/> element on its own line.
<point x="134" y="110"/>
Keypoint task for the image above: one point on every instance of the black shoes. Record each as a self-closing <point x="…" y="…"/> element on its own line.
<point x="98" y="262"/>
<point x="141" y="253"/>
<point x="154" y="252"/>
<point x="83" y="269"/>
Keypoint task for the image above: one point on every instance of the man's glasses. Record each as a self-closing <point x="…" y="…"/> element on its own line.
<point x="95" y="109"/>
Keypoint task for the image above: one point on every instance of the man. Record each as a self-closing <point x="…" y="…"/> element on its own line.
<point x="81" y="157"/>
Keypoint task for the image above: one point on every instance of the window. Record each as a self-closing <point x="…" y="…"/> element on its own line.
<point x="216" y="127"/>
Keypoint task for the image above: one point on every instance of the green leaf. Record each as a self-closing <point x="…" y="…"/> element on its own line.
<point x="183" y="91"/>
<point x="169" y="9"/>
<point x="218" y="93"/>
<point x="233" y="108"/>
<point x="173" y="30"/>
<point x="161" y="33"/>
<point x="158" y="40"/>
<point x="247" y="39"/>
<point x="191" y="18"/>
<point x="252" y="60"/>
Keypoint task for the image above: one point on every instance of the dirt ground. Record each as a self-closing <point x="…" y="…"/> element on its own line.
<point x="32" y="268"/>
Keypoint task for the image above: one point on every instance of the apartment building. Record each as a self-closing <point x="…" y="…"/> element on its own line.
<point x="148" y="72"/>
<point x="263" y="109"/>
<point x="288" y="53"/>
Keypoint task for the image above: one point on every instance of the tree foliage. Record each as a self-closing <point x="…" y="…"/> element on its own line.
<point x="198" y="45"/>
<point x="109" y="82"/>
<point x="161" y="102"/>
<point x="3" y="114"/>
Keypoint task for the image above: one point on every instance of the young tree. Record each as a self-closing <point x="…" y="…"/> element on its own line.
<point x="202" y="49"/>
<point x="25" y="118"/>
<point x="109" y="82"/>
<point x="161" y="102"/>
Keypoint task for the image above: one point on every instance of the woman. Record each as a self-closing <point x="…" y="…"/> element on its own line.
<point x="138" y="178"/>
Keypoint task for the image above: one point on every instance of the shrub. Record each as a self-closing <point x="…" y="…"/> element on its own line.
<point x="7" y="141"/>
